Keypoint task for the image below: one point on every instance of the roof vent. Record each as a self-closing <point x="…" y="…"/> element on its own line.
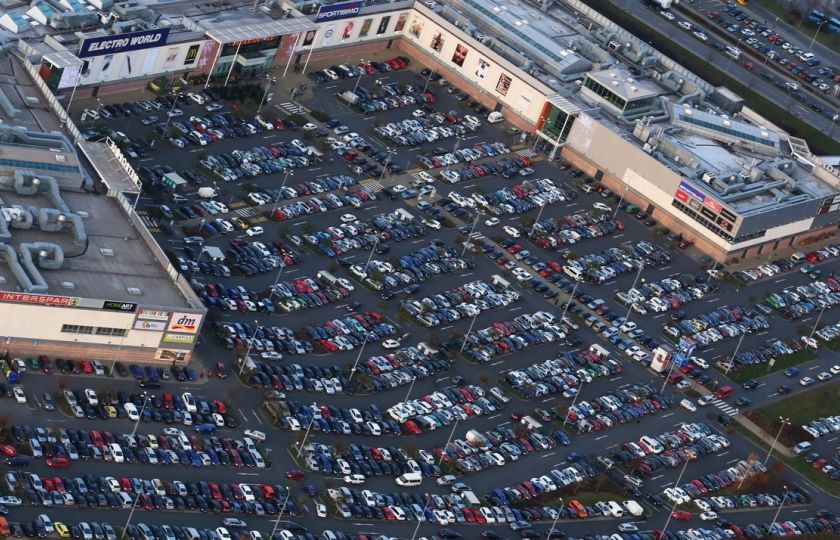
<point x="633" y="88"/>
<point x="134" y="291"/>
<point x="726" y="123"/>
<point x="61" y="158"/>
<point x="68" y="285"/>
<point x="615" y="83"/>
<point x="688" y="112"/>
<point x="106" y="252"/>
<point x="630" y="80"/>
<point x="82" y="214"/>
<point x="765" y="134"/>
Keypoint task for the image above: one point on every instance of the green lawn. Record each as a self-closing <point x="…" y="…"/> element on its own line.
<point x="806" y="406"/>
<point x="760" y="370"/>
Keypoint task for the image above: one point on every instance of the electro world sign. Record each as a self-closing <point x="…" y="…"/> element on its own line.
<point x="342" y="10"/>
<point x="131" y="41"/>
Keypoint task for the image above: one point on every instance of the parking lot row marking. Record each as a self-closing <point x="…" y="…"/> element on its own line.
<point x="814" y="367"/>
<point x="601" y="437"/>
<point x="548" y="454"/>
<point x="496" y="363"/>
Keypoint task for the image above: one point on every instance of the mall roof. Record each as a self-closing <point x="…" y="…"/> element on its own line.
<point x="262" y="30"/>
<point x="623" y="84"/>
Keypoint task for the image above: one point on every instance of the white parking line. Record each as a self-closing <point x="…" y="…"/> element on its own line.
<point x="257" y="416"/>
<point x="601" y="437"/>
<point x="814" y="367"/>
<point x="615" y="378"/>
<point x="496" y="363"/>
<point x="441" y="379"/>
<point x="515" y="308"/>
<point x="549" y="454"/>
<point x="494" y="416"/>
<point x="667" y="415"/>
<point x="446" y="327"/>
<point x="546" y="400"/>
<point x="657" y="477"/>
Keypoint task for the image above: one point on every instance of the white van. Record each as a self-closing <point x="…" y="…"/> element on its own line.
<point x="410" y="479"/>
<point x="733" y="52"/>
<point x="797" y="258"/>
<point x="573" y="272"/>
<point x="615" y="509"/>
<point x="268" y="126"/>
<point x="600" y="351"/>
<point x="495" y="117"/>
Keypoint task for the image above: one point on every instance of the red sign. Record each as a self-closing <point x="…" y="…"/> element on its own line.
<point x="681" y="196"/>
<point x="713" y="204"/>
<point x="42" y="299"/>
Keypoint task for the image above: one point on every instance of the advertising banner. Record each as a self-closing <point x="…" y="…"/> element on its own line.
<point x="41" y="299"/>
<point x="153" y="314"/>
<point x="132" y="41"/>
<point x="459" y="55"/>
<point x="170" y="354"/>
<point x="693" y="191"/>
<point x="208" y="54"/>
<point x="503" y="85"/>
<point x="181" y="339"/>
<point x="192" y="54"/>
<point x="113" y="305"/>
<point x="70" y="77"/>
<point x="713" y="204"/>
<point x="154" y="326"/>
<point x="184" y="322"/>
<point x="681" y="196"/>
<point x="342" y="10"/>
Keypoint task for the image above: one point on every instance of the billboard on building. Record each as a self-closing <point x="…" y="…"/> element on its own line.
<point x="184" y="322"/>
<point x="70" y="76"/>
<point x="131" y="41"/>
<point x="459" y="55"/>
<point x="152" y="326"/>
<point x="342" y="10"/>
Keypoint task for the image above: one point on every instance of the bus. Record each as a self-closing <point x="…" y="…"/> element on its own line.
<point x="832" y="24"/>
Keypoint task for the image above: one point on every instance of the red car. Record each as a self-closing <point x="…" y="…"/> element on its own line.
<point x="58" y="462"/>
<point x="819" y="464"/>
<point x="682" y="515"/>
<point x="294" y="474"/>
<point x="8" y="450"/>
<point x="221" y="371"/>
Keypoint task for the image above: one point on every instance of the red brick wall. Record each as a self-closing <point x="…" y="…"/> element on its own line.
<point x="24" y="348"/>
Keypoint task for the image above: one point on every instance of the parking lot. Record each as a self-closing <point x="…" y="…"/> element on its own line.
<point x="404" y="298"/>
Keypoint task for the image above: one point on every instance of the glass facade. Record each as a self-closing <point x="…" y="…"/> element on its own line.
<point x="558" y="124"/>
<point x="602" y="91"/>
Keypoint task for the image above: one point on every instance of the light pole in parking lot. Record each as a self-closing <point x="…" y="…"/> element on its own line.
<point x="554" y="523"/>
<point x="280" y="514"/>
<point x="122" y="339"/>
<point x="811" y="46"/>
<point x="817" y="322"/>
<point x="539" y="215"/>
<point x="781" y="504"/>
<point x="137" y="422"/>
<point x="569" y="301"/>
<point x="440" y="460"/>
<point x="472" y="230"/>
<point x="773" y="446"/>
<point x="169" y="114"/>
<point x="270" y="81"/>
<point x="391" y="152"/>
<point x="630" y="309"/>
<point x="361" y="72"/>
<point x="621" y="200"/>
<point x="674" y="507"/>
<point x="306" y="435"/>
<point x="250" y="344"/>
<point x="467" y="335"/>
<point x="732" y="358"/>
<point x="409" y="390"/>
<point x="280" y="191"/>
<point x="130" y="514"/>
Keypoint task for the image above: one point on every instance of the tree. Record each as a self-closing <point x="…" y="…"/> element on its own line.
<point x="233" y="393"/>
<point x="63" y="383"/>
<point x="484" y="378"/>
<point x="519" y="430"/>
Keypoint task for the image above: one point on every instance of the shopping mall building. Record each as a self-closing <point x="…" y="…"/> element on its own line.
<point x="690" y="154"/>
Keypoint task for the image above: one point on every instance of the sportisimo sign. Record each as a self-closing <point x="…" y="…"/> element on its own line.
<point x="342" y="10"/>
<point x="132" y="41"/>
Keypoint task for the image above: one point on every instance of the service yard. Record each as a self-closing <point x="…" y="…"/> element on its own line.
<point x="418" y="326"/>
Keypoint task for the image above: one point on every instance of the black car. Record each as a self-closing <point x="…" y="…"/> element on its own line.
<point x="783" y="389"/>
<point x="743" y="402"/>
<point x="750" y="384"/>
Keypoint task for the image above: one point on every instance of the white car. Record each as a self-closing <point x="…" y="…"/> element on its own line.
<point x="835" y="369"/>
<point x="708" y="516"/>
<point x="806" y="381"/>
<point x="354" y="479"/>
<point x="601" y="206"/>
<point x="810" y="342"/>
<point x="131" y="411"/>
<point x="399" y="188"/>
<point x="705" y="400"/>
<point x="199" y="99"/>
<point x="20" y="395"/>
<point x="258" y="436"/>
<point x="390" y="343"/>
<point x="431" y="223"/>
<point x="823" y="376"/>
<point x="271" y="355"/>
<point x="349" y="218"/>
<point x="520" y="274"/>
<point x="688" y="405"/>
<point x="90" y="395"/>
<point x="492" y="222"/>
<point x="418" y="113"/>
<point x="512" y="231"/>
<point x="701" y="36"/>
<point x="683" y="385"/>
<point x="210" y="107"/>
<point x="667" y="14"/>
<point x="320" y="510"/>
<point x="254" y="231"/>
<point x="9" y="500"/>
<point x="309" y="126"/>
<point x="189" y="402"/>
<point x="174" y="113"/>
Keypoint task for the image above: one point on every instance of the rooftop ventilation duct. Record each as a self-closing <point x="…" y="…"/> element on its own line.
<point x="8" y="254"/>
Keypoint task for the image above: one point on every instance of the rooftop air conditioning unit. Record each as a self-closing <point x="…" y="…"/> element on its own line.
<point x="134" y="291"/>
<point x="69" y="285"/>
<point x="106" y="252"/>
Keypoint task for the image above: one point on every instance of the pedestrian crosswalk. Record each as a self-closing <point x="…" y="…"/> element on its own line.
<point x="727" y="409"/>
<point x="526" y="152"/>
<point x="375" y="184"/>
<point x="291" y="108"/>
<point x="247" y="212"/>
<point x="148" y="222"/>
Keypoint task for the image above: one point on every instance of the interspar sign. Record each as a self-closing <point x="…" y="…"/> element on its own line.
<point x="41" y="299"/>
<point x="132" y="41"/>
<point x="342" y="10"/>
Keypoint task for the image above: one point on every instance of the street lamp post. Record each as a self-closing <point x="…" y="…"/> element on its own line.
<point x="811" y="46"/>
<point x="280" y="191"/>
<point x="817" y="323"/>
<point x="411" y="387"/>
<point x="250" y="344"/>
<point x="139" y="416"/>
<point x="472" y="230"/>
<point x="440" y="460"/>
<point x="117" y="354"/>
<point x="359" y="79"/>
<point x="571" y="297"/>
<point x="269" y="83"/>
<point x="305" y="435"/>
<point x="554" y="523"/>
<point x="621" y="200"/>
<point x="387" y="162"/>
<point x="130" y="514"/>
<point x="781" y="504"/>
<point x="467" y="335"/>
<point x="534" y="226"/>
<point x="169" y="114"/>
<point x="280" y="513"/>
<point x="732" y="358"/>
<point x="677" y="483"/>
<point x="773" y="446"/>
